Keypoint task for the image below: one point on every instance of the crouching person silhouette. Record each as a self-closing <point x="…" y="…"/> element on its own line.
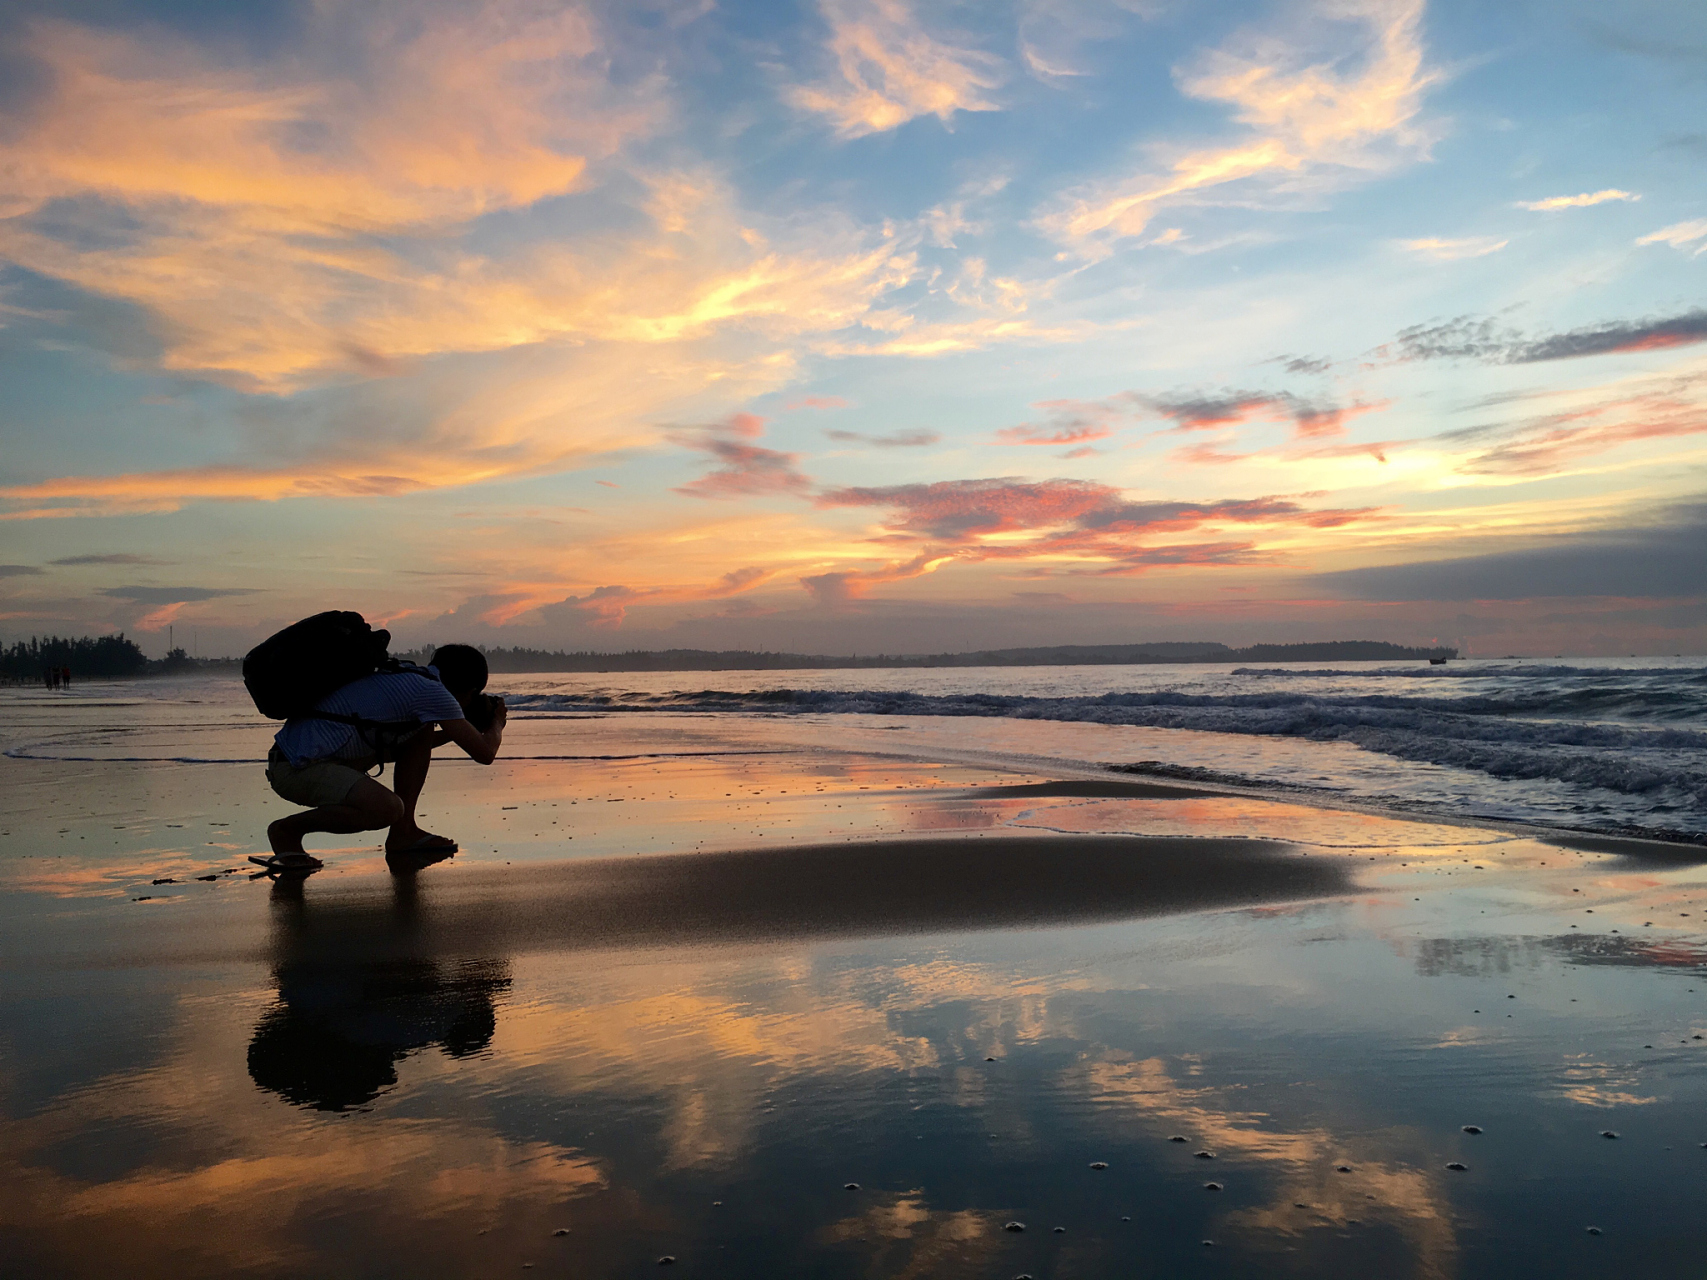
<point x="323" y="758"/>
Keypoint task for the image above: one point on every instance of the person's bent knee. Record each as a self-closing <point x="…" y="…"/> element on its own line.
<point x="378" y="806"/>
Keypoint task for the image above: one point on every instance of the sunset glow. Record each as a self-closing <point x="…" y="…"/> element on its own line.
<point x="856" y="326"/>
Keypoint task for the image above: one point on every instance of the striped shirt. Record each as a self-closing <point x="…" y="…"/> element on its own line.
<point x="385" y="696"/>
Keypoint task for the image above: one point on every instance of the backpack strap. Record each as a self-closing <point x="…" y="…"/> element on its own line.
<point x="377" y="735"/>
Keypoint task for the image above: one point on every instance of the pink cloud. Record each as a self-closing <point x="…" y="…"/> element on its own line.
<point x="1552" y="442"/>
<point x="1029" y="433"/>
<point x="816" y="402"/>
<point x="916" y="438"/>
<point x="747" y="469"/>
<point x="838" y="588"/>
<point x="1073" y="421"/>
<point x="959" y="510"/>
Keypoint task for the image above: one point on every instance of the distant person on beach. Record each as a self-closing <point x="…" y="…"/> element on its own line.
<point x="65" y="677"/>
<point x="324" y="763"/>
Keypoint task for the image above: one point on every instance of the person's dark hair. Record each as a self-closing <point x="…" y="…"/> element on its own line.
<point x="462" y="667"/>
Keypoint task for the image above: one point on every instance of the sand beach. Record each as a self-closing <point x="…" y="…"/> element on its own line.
<point x="824" y="997"/>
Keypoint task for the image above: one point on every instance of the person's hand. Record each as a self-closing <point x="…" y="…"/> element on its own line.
<point x="500" y="713"/>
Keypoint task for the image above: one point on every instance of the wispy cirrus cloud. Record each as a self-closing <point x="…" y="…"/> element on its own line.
<point x="1453" y="250"/>
<point x="890" y="70"/>
<point x="1554" y="203"/>
<point x="1315" y="119"/>
<point x="1545" y="443"/>
<point x="839" y="586"/>
<point x="1680" y="235"/>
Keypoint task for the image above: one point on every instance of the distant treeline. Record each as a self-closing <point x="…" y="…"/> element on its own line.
<point x="86" y="656"/>
<point x="111" y="657"/>
<point x="517" y="659"/>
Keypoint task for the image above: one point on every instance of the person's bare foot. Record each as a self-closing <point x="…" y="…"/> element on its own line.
<point x="287" y="844"/>
<point x="415" y="840"/>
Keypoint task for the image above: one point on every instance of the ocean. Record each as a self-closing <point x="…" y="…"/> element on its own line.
<point x="1610" y="746"/>
<point x="1616" y="746"/>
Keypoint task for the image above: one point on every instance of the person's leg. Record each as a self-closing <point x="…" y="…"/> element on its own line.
<point x="367" y="807"/>
<point x="409" y="775"/>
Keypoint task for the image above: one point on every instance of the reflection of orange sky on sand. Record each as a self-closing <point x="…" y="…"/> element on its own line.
<point x="1599" y="1084"/>
<point x="1246" y="816"/>
<point x="672" y="1027"/>
<point x="914" y="1240"/>
<point x="234" y="1174"/>
<point x="1145" y="1093"/>
<point x="689" y="1029"/>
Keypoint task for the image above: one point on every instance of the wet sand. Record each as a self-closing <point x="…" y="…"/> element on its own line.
<point x="671" y="1000"/>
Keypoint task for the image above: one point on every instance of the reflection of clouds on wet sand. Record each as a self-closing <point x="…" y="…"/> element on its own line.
<point x="193" y="1166"/>
<point x="908" y="1239"/>
<point x="1598" y="1084"/>
<point x="1305" y="1161"/>
<point x="707" y="1056"/>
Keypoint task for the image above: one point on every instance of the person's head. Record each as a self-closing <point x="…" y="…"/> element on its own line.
<point x="462" y="668"/>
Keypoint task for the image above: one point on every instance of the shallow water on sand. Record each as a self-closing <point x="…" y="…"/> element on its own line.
<point x="672" y="1000"/>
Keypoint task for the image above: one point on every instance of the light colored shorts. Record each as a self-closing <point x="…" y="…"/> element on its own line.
<point x="314" y="784"/>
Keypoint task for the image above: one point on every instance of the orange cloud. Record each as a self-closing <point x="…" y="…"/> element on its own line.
<point x="606" y="608"/>
<point x="161" y="617"/>
<point x="842" y="585"/>
<point x="1310" y="125"/>
<point x="1453" y="250"/>
<point x="1555" y="441"/>
<point x="889" y="70"/>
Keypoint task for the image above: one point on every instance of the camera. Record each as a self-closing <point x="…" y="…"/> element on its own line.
<point x="483" y="710"/>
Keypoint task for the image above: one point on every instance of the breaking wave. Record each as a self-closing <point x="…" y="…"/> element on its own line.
<point x="1614" y="734"/>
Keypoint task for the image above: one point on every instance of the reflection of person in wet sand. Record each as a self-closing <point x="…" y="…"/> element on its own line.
<point x="357" y="994"/>
<point x="324" y="763"/>
<point x="337" y="1033"/>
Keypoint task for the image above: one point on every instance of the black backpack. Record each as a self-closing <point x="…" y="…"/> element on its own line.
<point x="287" y="673"/>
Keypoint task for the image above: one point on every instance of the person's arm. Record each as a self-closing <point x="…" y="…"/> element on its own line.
<point x="481" y="747"/>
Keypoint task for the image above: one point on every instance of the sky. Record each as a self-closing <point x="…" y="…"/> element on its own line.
<point x="857" y="326"/>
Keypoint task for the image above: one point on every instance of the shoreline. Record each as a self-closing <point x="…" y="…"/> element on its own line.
<point x="843" y="1007"/>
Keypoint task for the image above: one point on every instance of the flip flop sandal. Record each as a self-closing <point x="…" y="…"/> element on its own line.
<point x="275" y="863"/>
